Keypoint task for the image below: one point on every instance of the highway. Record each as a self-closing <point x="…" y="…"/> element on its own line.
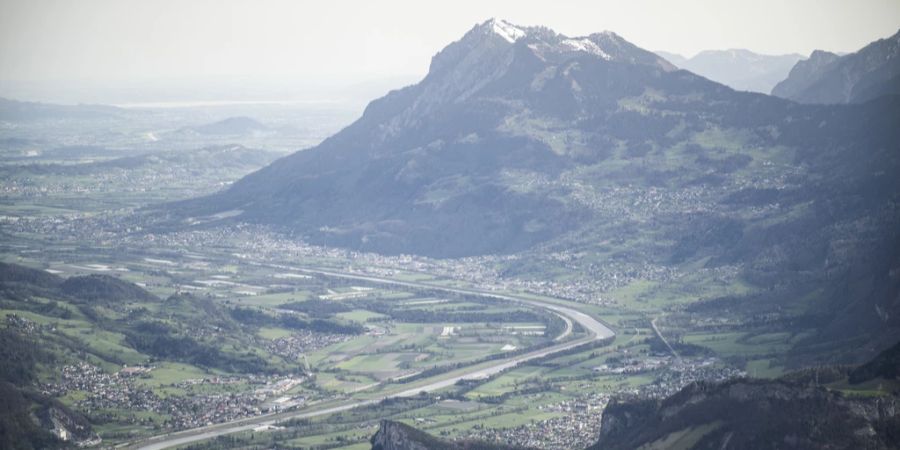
<point x="593" y="328"/>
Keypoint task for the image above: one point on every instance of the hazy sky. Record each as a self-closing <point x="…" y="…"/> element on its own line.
<point x="355" y="40"/>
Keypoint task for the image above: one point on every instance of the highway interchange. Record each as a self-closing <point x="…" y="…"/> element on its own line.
<point x="594" y="331"/>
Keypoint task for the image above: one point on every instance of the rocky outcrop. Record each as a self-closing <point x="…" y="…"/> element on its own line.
<point x="753" y="414"/>
<point x="398" y="436"/>
<point x="827" y="78"/>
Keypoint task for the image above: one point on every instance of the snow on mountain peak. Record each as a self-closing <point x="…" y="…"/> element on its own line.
<point x="584" y="45"/>
<point x="507" y="30"/>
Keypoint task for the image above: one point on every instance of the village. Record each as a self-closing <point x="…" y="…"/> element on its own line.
<point x="121" y="396"/>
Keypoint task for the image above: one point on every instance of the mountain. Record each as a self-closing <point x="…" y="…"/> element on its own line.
<point x="524" y="140"/>
<point x="17" y="111"/>
<point x="827" y="78"/>
<point x="32" y="420"/>
<point x="476" y="158"/>
<point x="739" y="69"/>
<point x="232" y="126"/>
<point x="423" y="171"/>
<point x="885" y="366"/>
<point x="803" y="73"/>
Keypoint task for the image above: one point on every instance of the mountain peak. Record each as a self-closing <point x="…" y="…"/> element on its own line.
<point x="823" y="54"/>
<point x="605" y="44"/>
<point x="828" y="78"/>
<point x="511" y="33"/>
<point x="585" y="44"/>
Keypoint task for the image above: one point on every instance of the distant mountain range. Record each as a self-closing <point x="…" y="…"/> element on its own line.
<point x="232" y="126"/>
<point x="739" y="69"/>
<point x="13" y="110"/>
<point x="827" y="78"/>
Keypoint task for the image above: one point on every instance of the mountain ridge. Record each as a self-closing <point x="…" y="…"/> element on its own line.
<point x="827" y="78"/>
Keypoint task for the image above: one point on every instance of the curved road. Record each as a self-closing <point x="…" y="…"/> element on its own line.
<point x="595" y="331"/>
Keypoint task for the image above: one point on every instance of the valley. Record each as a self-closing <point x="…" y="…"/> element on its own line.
<point x="549" y="242"/>
<point x="358" y="371"/>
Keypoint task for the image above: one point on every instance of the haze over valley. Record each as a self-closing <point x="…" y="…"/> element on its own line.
<point x="537" y="239"/>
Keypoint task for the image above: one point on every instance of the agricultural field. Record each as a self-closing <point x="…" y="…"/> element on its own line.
<point x="265" y="338"/>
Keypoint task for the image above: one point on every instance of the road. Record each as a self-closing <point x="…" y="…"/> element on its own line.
<point x="594" y="331"/>
<point x="663" y="338"/>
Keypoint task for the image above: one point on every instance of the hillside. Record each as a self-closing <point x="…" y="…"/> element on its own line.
<point x="803" y="73"/>
<point x="87" y="330"/>
<point x="826" y="78"/>
<point x="426" y="169"/>
<point x="885" y="366"/>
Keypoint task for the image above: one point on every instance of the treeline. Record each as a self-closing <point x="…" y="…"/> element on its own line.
<point x="886" y="365"/>
<point x="18" y="431"/>
<point x="104" y="288"/>
<point x="161" y="341"/>
<point x="20" y="357"/>
<point x="317" y="308"/>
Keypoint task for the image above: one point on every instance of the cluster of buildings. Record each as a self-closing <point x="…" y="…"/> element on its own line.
<point x="24" y="325"/>
<point x="578" y="425"/>
<point x="206" y="401"/>
<point x="301" y="342"/>
<point x="590" y="281"/>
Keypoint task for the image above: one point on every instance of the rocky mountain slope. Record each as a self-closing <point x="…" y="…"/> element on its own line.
<point x="800" y="76"/>
<point x="752" y="414"/>
<point x="739" y="69"/>
<point x="827" y="78"/>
